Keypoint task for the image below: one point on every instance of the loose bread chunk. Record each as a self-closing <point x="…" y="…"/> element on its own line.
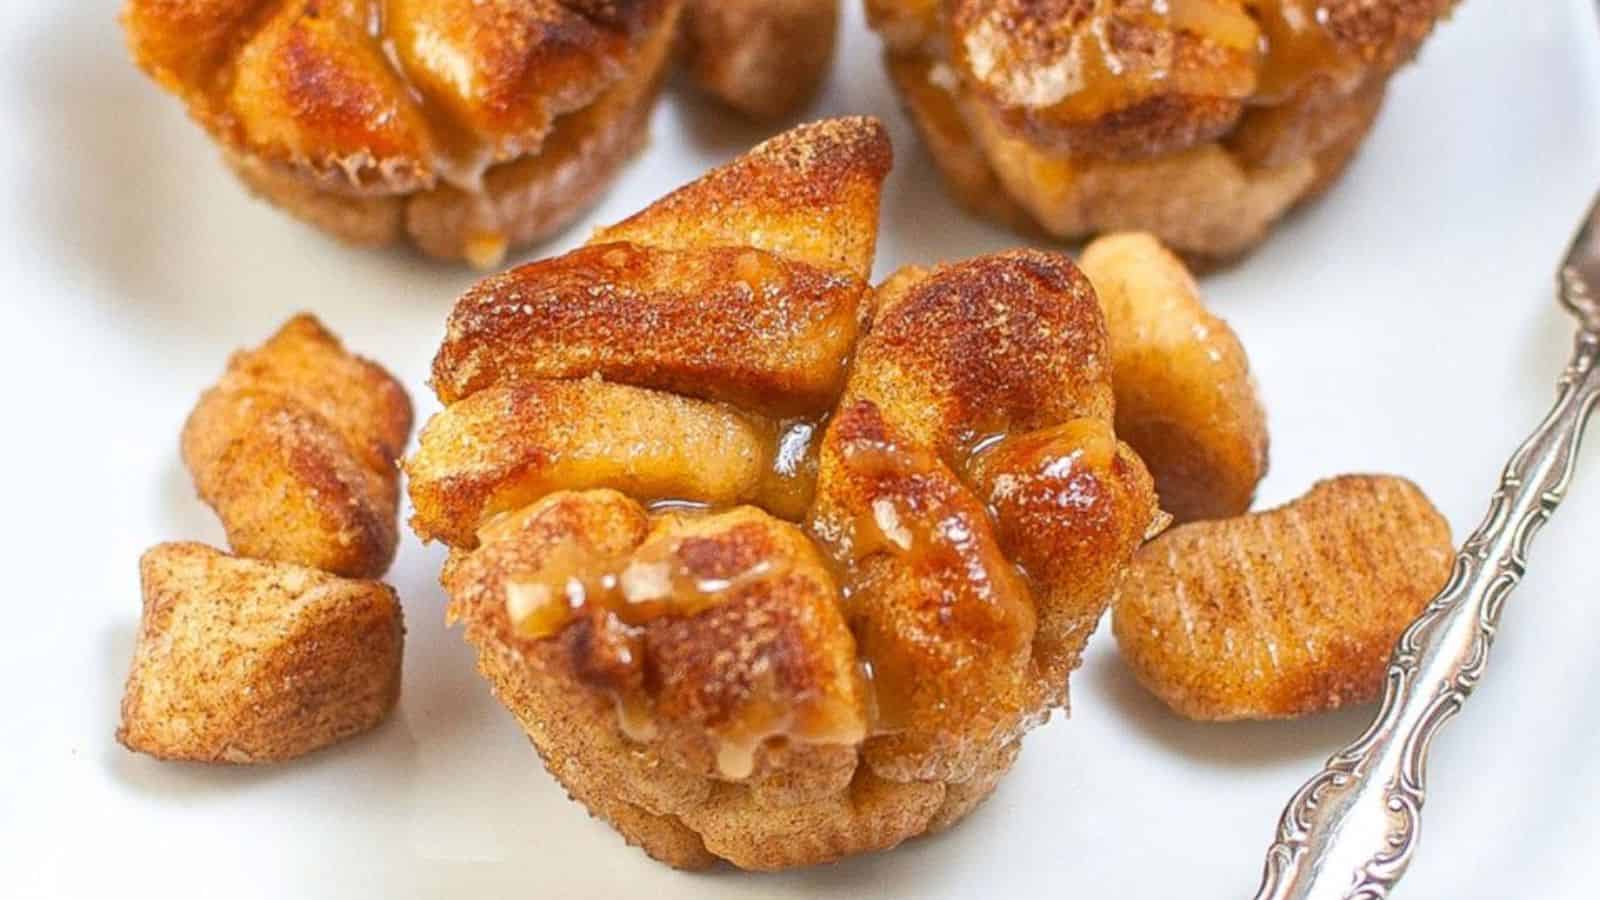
<point x="296" y="448"/>
<point x="1286" y="612"/>
<point x="1185" y="397"/>
<point x="247" y="661"/>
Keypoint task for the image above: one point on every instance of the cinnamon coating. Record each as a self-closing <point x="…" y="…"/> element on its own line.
<point x="296" y="450"/>
<point x="248" y="661"/>
<point x="1286" y="612"/>
<point x="1185" y="398"/>
<point x="681" y="320"/>
<point x="1202" y="121"/>
<point x="809" y="194"/>
<point x="789" y="583"/>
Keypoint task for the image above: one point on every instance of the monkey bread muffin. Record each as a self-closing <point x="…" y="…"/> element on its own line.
<point x="1200" y="121"/>
<point x="462" y="126"/>
<point x="774" y="567"/>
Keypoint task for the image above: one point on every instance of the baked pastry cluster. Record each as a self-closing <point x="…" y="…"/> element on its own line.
<point x="1200" y="121"/>
<point x="774" y="567"/>
<point x="464" y="127"/>
<point x="287" y="646"/>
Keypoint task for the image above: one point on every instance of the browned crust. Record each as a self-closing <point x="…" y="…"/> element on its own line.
<point x="243" y="661"/>
<point x="184" y="44"/>
<point x="1178" y="83"/>
<point x="1185" y="397"/>
<point x="733" y="324"/>
<point x="1012" y="348"/>
<point x="949" y="651"/>
<point x="532" y="61"/>
<point x="1073" y="552"/>
<point x="1286" y="612"/>
<point x="1386" y="34"/>
<point x="764" y="58"/>
<point x="810" y="194"/>
<point x="528" y="200"/>
<point x="694" y="823"/>
<point x="296" y="449"/>
<point x="1006" y="342"/>
<point x="774" y="640"/>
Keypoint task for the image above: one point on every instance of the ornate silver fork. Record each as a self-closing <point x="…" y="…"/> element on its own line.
<point x="1350" y="831"/>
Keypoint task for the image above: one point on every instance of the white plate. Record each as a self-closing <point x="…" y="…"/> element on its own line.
<point x="1405" y="324"/>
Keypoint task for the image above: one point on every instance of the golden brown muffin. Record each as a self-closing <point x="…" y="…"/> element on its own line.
<point x="1185" y="399"/>
<point x="296" y="448"/>
<point x="764" y="58"/>
<point x="462" y="127"/>
<point x="1286" y="612"/>
<point x="244" y="661"/>
<point x="1201" y="121"/>
<point x="753" y="601"/>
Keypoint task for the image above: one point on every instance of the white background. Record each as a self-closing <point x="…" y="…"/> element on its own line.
<point x="1405" y="324"/>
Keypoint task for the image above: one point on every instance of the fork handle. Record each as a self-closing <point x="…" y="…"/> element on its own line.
<point x="1350" y="831"/>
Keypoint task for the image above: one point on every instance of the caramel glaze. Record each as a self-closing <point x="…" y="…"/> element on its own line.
<point x="921" y="520"/>
<point x="951" y="497"/>
<point x="1024" y="516"/>
<point x="925" y="518"/>
<point x="766" y="657"/>
<point x="1297" y="47"/>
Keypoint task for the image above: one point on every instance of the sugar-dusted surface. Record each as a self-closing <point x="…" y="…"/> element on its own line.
<point x="1382" y="325"/>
